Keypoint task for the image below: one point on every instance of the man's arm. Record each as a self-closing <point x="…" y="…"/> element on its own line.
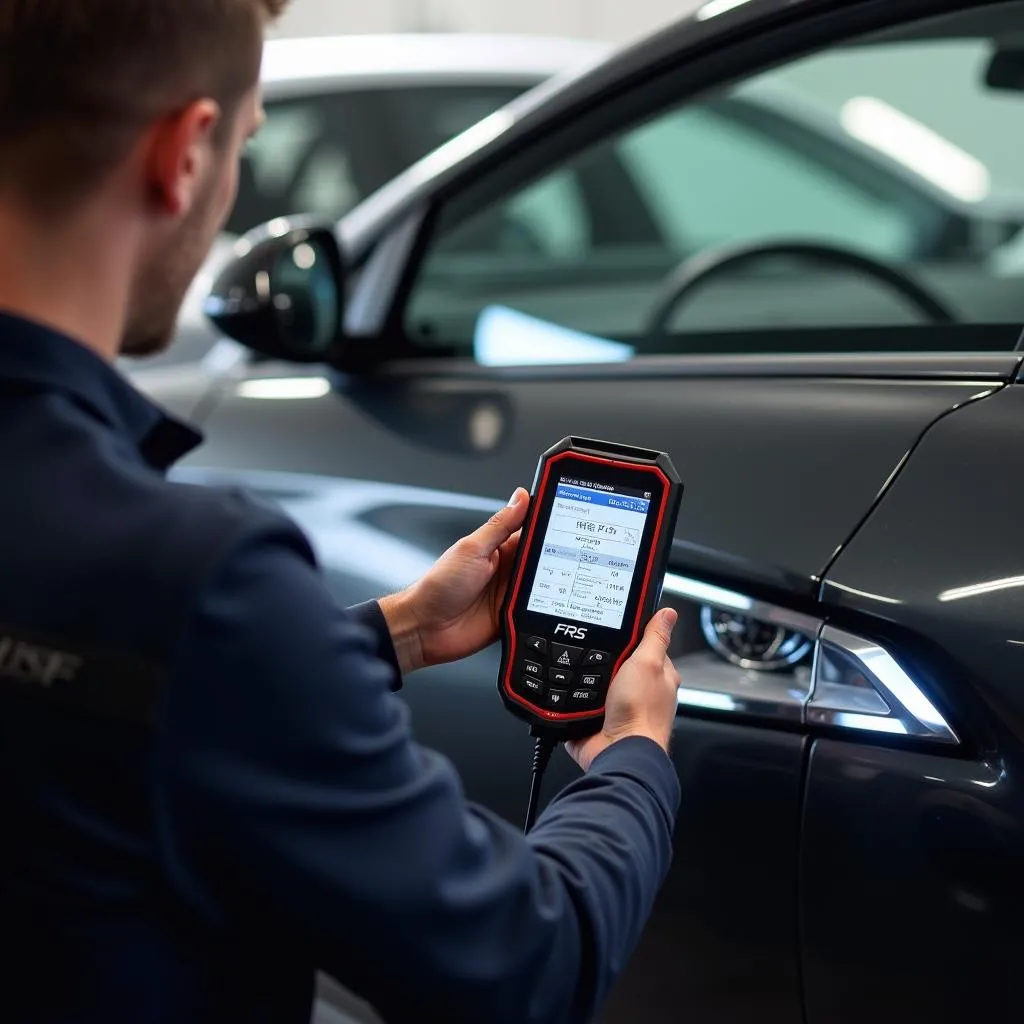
<point x="371" y="616"/>
<point x="288" y="768"/>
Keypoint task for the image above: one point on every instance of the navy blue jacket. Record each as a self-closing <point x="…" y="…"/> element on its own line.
<point x="274" y="816"/>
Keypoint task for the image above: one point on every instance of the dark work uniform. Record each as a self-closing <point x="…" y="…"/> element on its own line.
<point x="273" y="815"/>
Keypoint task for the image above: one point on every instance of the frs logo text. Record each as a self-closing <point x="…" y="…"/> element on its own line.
<point x="576" y="632"/>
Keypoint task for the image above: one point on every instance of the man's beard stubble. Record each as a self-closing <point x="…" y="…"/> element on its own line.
<point x="163" y="282"/>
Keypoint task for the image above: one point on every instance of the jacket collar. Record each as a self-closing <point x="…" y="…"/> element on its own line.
<point x="42" y="358"/>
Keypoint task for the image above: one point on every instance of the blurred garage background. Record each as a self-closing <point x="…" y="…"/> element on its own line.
<point x="610" y="20"/>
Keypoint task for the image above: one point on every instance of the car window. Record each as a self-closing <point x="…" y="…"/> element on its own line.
<point x="694" y="169"/>
<point x="899" y="149"/>
<point x="324" y="153"/>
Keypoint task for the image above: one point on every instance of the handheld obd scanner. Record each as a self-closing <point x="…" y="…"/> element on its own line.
<point x="586" y="581"/>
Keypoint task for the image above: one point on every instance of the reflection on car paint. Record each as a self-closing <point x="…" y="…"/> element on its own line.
<point x="329" y="511"/>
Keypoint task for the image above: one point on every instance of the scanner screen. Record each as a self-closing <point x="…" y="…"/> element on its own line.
<point x="588" y="558"/>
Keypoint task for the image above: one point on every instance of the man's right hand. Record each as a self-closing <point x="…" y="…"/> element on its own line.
<point x="642" y="698"/>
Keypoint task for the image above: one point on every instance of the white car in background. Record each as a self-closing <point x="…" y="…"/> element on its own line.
<point x="345" y="114"/>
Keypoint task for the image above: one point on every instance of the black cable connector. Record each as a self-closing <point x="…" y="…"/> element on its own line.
<point x="542" y="749"/>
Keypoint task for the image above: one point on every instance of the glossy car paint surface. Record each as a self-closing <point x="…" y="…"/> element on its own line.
<point x="910" y="895"/>
<point x="939" y="568"/>
<point x="958" y="496"/>
<point x="823" y="872"/>
<point x="424" y="431"/>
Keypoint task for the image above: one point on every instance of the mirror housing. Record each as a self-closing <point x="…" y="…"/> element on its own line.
<point x="282" y="295"/>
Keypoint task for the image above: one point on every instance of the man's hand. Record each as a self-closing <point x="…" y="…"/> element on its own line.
<point x="453" y="611"/>
<point x="643" y="696"/>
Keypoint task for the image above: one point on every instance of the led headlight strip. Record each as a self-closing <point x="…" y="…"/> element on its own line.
<point x="853" y="684"/>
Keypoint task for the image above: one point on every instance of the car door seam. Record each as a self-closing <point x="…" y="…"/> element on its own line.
<point x="805" y="774"/>
<point x="891" y="481"/>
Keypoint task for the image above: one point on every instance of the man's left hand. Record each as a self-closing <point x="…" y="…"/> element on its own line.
<point x="453" y="611"/>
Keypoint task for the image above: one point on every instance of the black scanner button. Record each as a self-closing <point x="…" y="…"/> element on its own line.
<point x="533" y="668"/>
<point x="537" y="643"/>
<point x="565" y="657"/>
<point x="560" y="677"/>
<point x="584" y="700"/>
<point x="558" y="699"/>
<point x="597" y="658"/>
<point x="592" y="680"/>
<point x="531" y="688"/>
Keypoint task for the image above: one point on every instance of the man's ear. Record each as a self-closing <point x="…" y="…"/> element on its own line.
<point x="178" y="155"/>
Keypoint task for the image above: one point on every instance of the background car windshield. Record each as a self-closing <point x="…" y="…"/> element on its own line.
<point x="904" y="148"/>
<point x="324" y="153"/>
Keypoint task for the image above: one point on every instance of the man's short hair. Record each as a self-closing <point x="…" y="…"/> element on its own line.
<point x="80" y="79"/>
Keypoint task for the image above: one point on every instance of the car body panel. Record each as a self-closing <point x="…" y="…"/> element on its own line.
<point x="721" y="943"/>
<point x="936" y="570"/>
<point x="434" y="432"/>
<point x="910" y="893"/>
<point x="960" y="485"/>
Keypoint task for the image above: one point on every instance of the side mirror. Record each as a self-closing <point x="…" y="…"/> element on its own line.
<point x="283" y="294"/>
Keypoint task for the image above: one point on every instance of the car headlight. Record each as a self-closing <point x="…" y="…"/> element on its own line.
<point x="751" y="644"/>
<point x="738" y="655"/>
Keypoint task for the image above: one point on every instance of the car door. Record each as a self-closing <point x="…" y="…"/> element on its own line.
<point x="814" y="388"/>
<point x="917" y="852"/>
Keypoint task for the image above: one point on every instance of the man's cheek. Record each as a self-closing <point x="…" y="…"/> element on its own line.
<point x="230" y="192"/>
<point x="226" y="191"/>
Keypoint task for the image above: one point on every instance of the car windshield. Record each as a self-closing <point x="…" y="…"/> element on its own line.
<point x="323" y="153"/>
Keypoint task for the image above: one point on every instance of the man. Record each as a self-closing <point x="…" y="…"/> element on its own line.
<point x="207" y="788"/>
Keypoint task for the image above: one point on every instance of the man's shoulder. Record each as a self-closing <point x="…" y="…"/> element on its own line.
<point x="188" y="537"/>
<point x="187" y="508"/>
<point x="195" y="528"/>
<point x="126" y="564"/>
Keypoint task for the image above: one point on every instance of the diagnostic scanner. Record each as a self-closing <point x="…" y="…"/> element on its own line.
<point x="587" y="579"/>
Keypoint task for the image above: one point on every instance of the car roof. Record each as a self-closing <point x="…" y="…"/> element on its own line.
<point x="329" y="63"/>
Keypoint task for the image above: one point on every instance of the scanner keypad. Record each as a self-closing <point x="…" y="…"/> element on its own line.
<point x="561" y="678"/>
<point x="565" y="657"/>
<point x="532" y="688"/>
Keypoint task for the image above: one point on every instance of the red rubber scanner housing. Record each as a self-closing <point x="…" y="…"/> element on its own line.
<point x="642" y="466"/>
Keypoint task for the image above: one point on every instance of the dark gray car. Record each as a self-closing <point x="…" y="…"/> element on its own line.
<point x="832" y="360"/>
